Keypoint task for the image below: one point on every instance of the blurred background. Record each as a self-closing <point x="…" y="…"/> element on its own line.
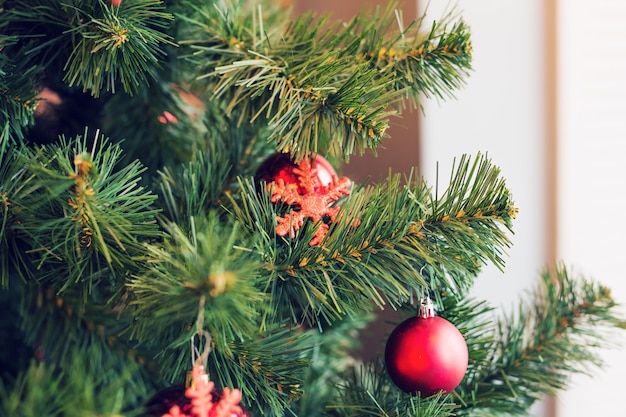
<point x="547" y="103"/>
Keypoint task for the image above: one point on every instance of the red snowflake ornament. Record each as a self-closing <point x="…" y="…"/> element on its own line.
<point x="310" y="199"/>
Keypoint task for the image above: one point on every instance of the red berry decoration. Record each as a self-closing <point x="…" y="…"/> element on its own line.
<point x="426" y="354"/>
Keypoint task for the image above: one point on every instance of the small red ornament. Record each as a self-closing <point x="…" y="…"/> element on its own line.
<point x="426" y="354"/>
<point x="116" y="3"/>
<point x="281" y="166"/>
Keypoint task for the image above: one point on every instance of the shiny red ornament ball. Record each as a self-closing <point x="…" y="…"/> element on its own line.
<point x="426" y="355"/>
<point x="282" y="166"/>
<point x="116" y="3"/>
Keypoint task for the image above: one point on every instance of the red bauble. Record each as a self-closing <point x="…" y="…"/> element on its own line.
<point x="426" y="355"/>
<point x="116" y="3"/>
<point x="281" y="166"/>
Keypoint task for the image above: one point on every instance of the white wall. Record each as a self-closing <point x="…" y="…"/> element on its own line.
<point x="499" y="112"/>
<point x="592" y="196"/>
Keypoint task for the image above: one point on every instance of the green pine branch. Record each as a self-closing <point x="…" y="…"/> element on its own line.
<point x="157" y="141"/>
<point x="327" y="87"/>
<point x="368" y="391"/>
<point x="20" y="195"/>
<point x="96" y="46"/>
<point x="77" y="389"/>
<point x="269" y="370"/>
<point x="300" y="79"/>
<point x="555" y="333"/>
<point x="438" y="245"/>
<point x="17" y="95"/>
<point x="335" y="352"/>
<point x="59" y="326"/>
<point x="210" y="31"/>
<point x="84" y="215"/>
<point x="133" y="31"/>
<point x="78" y="363"/>
<point x="204" y="183"/>
<point x="211" y="260"/>
<point x="12" y="181"/>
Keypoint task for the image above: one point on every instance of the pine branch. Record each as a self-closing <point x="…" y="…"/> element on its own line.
<point x="438" y="245"/>
<point x="369" y="392"/>
<point x="301" y="117"/>
<point x="172" y="127"/>
<point x="467" y="225"/>
<point x="135" y="34"/>
<point x="447" y="240"/>
<point x="39" y="30"/>
<point x="553" y="336"/>
<point x="196" y="188"/>
<point x="81" y="362"/>
<point x="202" y="184"/>
<point x="209" y="259"/>
<point x="85" y="215"/>
<point x="316" y="86"/>
<point x="432" y="62"/>
<point x="269" y="370"/>
<point x="335" y="352"/>
<point x="12" y="185"/>
<point x="98" y="46"/>
<point x="225" y="27"/>
<point x="24" y="396"/>
<point x="76" y="390"/>
<point x="17" y="95"/>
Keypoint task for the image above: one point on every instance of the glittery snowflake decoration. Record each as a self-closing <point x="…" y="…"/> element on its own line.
<point x="203" y="404"/>
<point x="310" y="199"/>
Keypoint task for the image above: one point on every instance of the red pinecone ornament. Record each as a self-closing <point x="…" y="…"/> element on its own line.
<point x="426" y="354"/>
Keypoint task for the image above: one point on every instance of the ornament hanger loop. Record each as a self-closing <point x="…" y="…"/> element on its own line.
<point x="197" y="358"/>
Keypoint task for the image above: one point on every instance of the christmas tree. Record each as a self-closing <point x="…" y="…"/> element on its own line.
<point x="176" y="237"/>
